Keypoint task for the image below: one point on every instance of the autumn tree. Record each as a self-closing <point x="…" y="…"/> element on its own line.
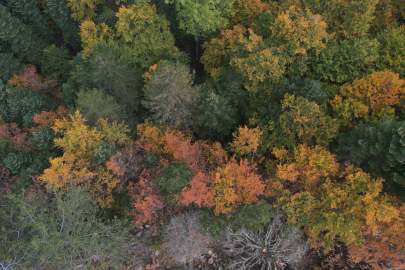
<point x="301" y="121"/>
<point x="83" y="10"/>
<point x="235" y="184"/>
<point x="338" y="206"/>
<point x="295" y="33"/>
<point x="11" y="131"/>
<point x="346" y="19"/>
<point x="170" y="95"/>
<point x="369" y="98"/>
<point x="78" y="142"/>
<point x="217" y="49"/>
<point x="260" y="66"/>
<point x="385" y="247"/>
<point x="246" y="141"/>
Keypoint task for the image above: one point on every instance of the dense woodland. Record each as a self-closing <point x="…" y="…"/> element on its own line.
<point x="219" y="134"/>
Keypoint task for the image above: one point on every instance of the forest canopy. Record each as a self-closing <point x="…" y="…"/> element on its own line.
<point x="232" y="134"/>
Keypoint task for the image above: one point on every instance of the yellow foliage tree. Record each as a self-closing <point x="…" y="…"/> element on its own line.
<point x="78" y="142"/>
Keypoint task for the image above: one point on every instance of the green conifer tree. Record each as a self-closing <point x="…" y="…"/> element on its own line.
<point x="27" y="11"/>
<point x="20" y="38"/>
<point x="59" y="11"/>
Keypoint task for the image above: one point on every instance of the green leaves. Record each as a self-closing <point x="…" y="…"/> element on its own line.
<point x="93" y="104"/>
<point x="170" y="95"/>
<point x="347" y="61"/>
<point x="174" y="179"/>
<point x="20" y="38"/>
<point x="65" y="231"/>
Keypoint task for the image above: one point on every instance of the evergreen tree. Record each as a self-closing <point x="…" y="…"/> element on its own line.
<point x="112" y="69"/>
<point x="54" y="63"/>
<point x="9" y="66"/>
<point x="61" y="14"/>
<point x="377" y="147"/>
<point x="64" y="232"/>
<point x="170" y="95"/>
<point x="20" y="38"/>
<point x="27" y="11"/>
<point x="93" y="104"/>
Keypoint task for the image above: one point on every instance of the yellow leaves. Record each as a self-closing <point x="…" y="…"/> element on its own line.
<point x="78" y="142"/>
<point x="77" y="138"/>
<point x="91" y="33"/>
<point x="299" y="31"/>
<point x="83" y="10"/>
<point x="246" y="141"/>
<point x="370" y="98"/>
<point x="152" y="136"/>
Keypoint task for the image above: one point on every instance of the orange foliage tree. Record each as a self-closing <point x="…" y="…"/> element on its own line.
<point x="369" y="98"/>
<point x="33" y="81"/>
<point x="385" y="247"/>
<point x="218" y="48"/>
<point x="48" y="118"/>
<point x="235" y="184"/>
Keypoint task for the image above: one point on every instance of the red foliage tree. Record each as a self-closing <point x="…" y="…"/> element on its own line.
<point x="11" y="131"/>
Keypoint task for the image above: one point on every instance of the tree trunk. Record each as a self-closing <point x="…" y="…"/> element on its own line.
<point x="197" y="47"/>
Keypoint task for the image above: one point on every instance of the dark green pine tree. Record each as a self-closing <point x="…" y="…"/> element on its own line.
<point x="20" y="105"/>
<point x="378" y="148"/>
<point x="58" y="10"/>
<point x="9" y="66"/>
<point x="19" y="39"/>
<point x="28" y="12"/>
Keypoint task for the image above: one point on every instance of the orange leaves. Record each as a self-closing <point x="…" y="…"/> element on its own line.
<point x="217" y="48"/>
<point x="309" y="165"/>
<point x="78" y="142"/>
<point x="370" y="98"/>
<point x="48" y="118"/>
<point x="152" y="136"/>
<point x="235" y="184"/>
<point x="385" y="247"/>
<point x="11" y="131"/>
<point x="29" y="78"/>
<point x="198" y="193"/>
